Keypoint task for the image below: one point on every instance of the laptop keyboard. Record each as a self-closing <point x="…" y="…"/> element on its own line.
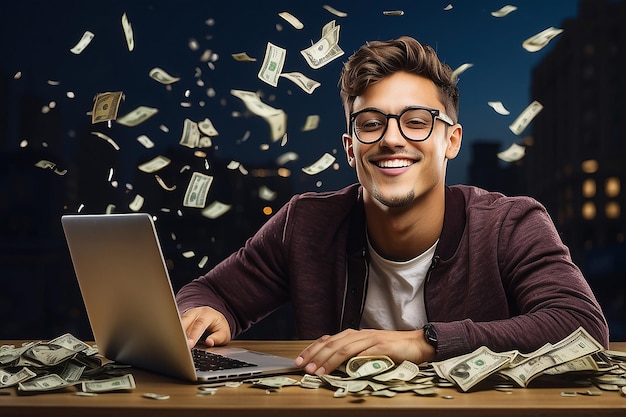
<point x="208" y="361"/>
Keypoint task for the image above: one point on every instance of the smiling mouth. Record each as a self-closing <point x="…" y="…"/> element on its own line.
<point x="394" y="163"/>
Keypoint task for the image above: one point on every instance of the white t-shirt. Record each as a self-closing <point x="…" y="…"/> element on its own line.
<point x="395" y="292"/>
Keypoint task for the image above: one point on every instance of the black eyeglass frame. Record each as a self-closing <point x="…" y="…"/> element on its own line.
<point x="435" y="113"/>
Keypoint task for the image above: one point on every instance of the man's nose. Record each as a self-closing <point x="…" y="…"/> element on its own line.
<point x="393" y="135"/>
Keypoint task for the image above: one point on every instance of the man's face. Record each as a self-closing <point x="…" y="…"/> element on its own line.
<point x="394" y="171"/>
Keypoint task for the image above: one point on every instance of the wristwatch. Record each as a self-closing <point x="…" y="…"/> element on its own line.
<point x="431" y="335"/>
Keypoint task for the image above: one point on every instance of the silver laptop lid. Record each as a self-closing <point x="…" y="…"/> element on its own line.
<point x="130" y="302"/>
<point x="127" y="292"/>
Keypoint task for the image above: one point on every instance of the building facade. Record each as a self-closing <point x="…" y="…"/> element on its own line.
<point x="576" y="165"/>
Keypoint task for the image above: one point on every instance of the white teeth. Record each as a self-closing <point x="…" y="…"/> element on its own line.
<point x="395" y="163"/>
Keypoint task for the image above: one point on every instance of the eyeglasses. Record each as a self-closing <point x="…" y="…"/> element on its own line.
<point x="416" y="123"/>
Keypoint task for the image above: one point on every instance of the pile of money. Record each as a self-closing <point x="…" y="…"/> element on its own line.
<point x="577" y="355"/>
<point x="66" y="361"/>
<point x="365" y="375"/>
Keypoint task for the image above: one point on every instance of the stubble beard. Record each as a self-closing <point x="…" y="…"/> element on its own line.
<point x="395" y="201"/>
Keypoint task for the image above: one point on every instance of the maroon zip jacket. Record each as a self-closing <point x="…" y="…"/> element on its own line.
<point x="500" y="276"/>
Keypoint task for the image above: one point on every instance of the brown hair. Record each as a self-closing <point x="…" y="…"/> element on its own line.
<point x="379" y="59"/>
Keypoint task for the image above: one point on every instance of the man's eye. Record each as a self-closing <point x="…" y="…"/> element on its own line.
<point x="371" y="125"/>
<point x="416" y="124"/>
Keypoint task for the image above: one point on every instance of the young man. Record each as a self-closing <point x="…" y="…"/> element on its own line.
<point x="400" y="264"/>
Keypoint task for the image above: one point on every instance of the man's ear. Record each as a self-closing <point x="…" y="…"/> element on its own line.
<point x="347" y="146"/>
<point x="454" y="141"/>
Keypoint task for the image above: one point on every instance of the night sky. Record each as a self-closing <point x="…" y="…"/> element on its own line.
<point x="37" y="37"/>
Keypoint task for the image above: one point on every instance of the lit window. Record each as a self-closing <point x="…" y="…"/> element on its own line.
<point x="590" y="166"/>
<point x="589" y="188"/>
<point x="612" y="210"/>
<point x="612" y="187"/>
<point x="284" y="172"/>
<point x="589" y="210"/>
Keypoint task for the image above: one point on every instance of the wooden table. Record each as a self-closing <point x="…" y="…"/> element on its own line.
<point x="296" y="401"/>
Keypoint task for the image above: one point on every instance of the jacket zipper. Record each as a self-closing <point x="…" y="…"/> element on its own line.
<point x="433" y="265"/>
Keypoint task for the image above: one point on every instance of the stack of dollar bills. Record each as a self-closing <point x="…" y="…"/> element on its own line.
<point x="61" y="363"/>
<point x="578" y="357"/>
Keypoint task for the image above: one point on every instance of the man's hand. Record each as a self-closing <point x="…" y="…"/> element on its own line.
<point x="200" y="319"/>
<point x="328" y="352"/>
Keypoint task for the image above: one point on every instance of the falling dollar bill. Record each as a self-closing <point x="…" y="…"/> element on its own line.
<point x="320" y="165"/>
<point x="137" y="203"/>
<point x="276" y="118"/>
<point x="206" y="127"/>
<point x="45" y="164"/>
<point x="513" y="153"/>
<point x="503" y="11"/>
<point x="197" y="190"/>
<point x="292" y="20"/>
<point x="128" y="32"/>
<point x="393" y="12"/>
<point x="191" y="134"/>
<point x="107" y="139"/>
<point x="302" y="81"/>
<point x="137" y="116"/>
<point x="82" y="43"/>
<point x="334" y="11"/>
<point x="266" y="194"/>
<point x="105" y="106"/>
<point x="461" y="69"/>
<point x="162" y="76"/>
<point x="243" y="57"/>
<point x="328" y="27"/>
<point x="498" y="107"/>
<point x="540" y="40"/>
<point x="525" y="117"/>
<point x="145" y="141"/>
<point x="254" y="103"/>
<point x="273" y="63"/>
<point x="286" y="157"/>
<point x="163" y="184"/>
<point x="278" y="126"/>
<point x="325" y="50"/>
<point x="215" y="210"/>
<point x="311" y="122"/>
<point x="233" y="165"/>
<point x="155" y="164"/>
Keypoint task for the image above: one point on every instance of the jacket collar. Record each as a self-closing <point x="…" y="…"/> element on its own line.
<point x="453" y="223"/>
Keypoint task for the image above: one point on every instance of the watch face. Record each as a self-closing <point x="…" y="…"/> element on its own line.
<point x="430" y="334"/>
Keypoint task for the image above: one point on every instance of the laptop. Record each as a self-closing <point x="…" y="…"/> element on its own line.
<point x="131" y="307"/>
